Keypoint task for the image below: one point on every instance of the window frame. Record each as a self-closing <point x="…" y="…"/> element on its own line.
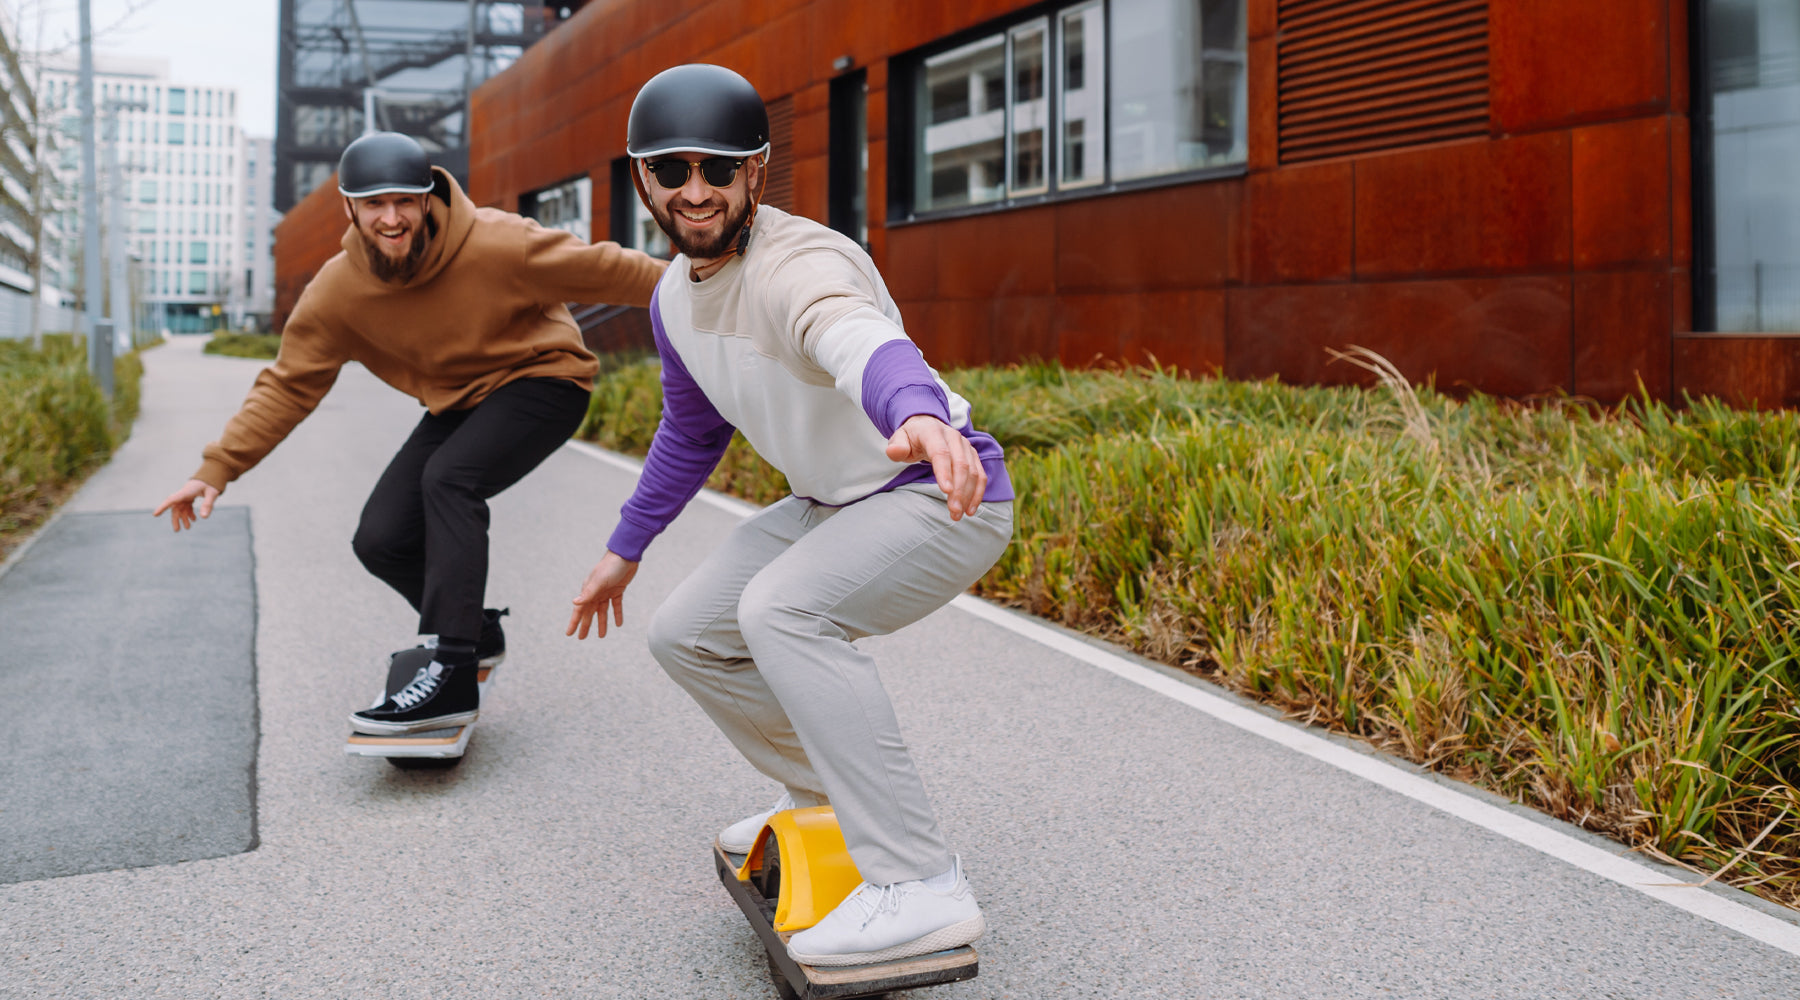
<point x="531" y="203"/>
<point x="903" y="137"/>
<point x="847" y="157"/>
<point x="624" y="218"/>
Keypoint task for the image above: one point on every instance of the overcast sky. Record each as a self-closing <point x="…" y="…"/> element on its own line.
<point x="221" y="43"/>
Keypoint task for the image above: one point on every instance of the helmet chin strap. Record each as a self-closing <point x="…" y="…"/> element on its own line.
<point x="742" y="244"/>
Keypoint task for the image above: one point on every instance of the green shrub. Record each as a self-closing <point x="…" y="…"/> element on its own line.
<point x="1587" y="611"/>
<point x="55" y="424"/>
<point x="244" y="345"/>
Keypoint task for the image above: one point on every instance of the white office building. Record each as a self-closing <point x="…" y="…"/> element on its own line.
<point x="18" y="179"/>
<point x="253" y="294"/>
<point x="172" y="163"/>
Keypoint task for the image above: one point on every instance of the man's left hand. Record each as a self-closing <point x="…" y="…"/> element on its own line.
<point x="924" y="438"/>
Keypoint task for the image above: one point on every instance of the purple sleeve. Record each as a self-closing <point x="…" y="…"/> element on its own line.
<point x="897" y="384"/>
<point x="690" y="439"/>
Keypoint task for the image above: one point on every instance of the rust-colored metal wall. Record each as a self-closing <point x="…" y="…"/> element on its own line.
<point x="1551" y="254"/>
<point x="305" y="238"/>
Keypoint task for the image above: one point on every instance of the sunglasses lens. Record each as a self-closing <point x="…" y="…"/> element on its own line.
<point x="670" y="173"/>
<point x="719" y="171"/>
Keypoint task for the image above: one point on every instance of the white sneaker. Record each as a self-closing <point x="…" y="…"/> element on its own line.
<point x="881" y="923"/>
<point x="739" y="837"/>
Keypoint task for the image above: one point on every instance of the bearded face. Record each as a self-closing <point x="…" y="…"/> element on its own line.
<point x="702" y="221"/>
<point x="394" y="234"/>
<point x="718" y="225"/>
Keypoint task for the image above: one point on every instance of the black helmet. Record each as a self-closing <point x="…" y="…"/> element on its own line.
<point x="697" y="108"/>
<point x="383" y="163"/>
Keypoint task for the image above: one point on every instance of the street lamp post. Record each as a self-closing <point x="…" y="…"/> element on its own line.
<point x="99" y="341"/>
<point x="118" y="190"/>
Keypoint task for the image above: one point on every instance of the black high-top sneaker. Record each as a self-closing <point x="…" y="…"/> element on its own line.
<point x="439" y="696"/>
<point x="491" y="647"/>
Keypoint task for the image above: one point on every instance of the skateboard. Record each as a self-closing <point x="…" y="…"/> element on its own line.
<point x="798" y="871"/>
<point x="432" y="748"/>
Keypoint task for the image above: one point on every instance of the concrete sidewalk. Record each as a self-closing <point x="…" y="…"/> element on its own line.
<point x="1122" y="843"/>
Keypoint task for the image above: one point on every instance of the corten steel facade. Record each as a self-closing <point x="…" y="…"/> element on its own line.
<point x="1528" y="228"/>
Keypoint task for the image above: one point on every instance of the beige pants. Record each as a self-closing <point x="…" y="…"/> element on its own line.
<point x="760" y="635"/>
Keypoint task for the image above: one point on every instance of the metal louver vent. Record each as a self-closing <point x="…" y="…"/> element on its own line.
<point x="1357" y="76"/>
<point x="780" y="190"/>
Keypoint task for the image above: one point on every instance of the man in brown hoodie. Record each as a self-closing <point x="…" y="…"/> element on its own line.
<point x="463" y="309"/>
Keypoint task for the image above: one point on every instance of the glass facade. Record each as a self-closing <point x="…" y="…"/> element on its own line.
<point x="412" y="60"/>
<point x="1750" y="137"/>
<point x="1096" y="93"/>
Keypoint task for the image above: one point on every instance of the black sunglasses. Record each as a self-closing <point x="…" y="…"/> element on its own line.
<point x="719" y="171"/>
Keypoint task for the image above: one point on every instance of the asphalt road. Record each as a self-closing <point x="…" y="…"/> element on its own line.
<point x="1125" y="839"/>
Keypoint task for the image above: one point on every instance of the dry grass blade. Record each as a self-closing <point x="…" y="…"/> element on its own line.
<point x="1415" y="423"/>
<point x="1727" y="866"/>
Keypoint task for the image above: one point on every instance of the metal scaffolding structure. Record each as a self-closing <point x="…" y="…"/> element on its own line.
<point x="409" y="64"/>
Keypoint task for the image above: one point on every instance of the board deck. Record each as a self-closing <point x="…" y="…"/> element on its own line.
<point x="432" y="744"/>
<point x="813" y="983"/>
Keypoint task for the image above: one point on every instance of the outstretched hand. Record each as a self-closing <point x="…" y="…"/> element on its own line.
<point x="954" y="463"/>
<point x="605" y="585"/>
<point x="182" y="507"/>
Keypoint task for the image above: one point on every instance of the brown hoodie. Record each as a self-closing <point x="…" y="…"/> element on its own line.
<point x="486" y="308"/>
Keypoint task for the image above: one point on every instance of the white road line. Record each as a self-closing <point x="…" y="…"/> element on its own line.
<point x="1605" y="863"/>
<point x="1743" y="919"/>
<point x="625" y="463"/>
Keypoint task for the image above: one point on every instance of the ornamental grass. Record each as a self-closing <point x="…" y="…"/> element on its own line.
<point x="1591" y="611"/>
<point x="56" y="425"/>
<point x="244" y="345"/>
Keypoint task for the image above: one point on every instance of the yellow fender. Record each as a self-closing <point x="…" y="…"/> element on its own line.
<point x="816" y="871"/>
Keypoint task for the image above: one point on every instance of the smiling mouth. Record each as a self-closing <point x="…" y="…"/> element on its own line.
<point x="393" y="238"/>
<point x="698" y="216"/>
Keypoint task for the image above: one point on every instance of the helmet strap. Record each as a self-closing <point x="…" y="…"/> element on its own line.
<point x="742" y="244"/>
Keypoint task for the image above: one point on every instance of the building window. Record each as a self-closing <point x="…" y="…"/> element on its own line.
<point x="197" y="252"/>
<point x="848" y="161"/>
<point x="147" y="190"/>
<point x="177" y="101"/>
<point x="177" y="133"/>
<point x="961" y="156"/>
<point x="1746" y="138"/>
<point x="632" y="223"/>
<point x="1073" y="98"/>
<point x="196" y="283"/>
<point x="1027" y="109"/>
<point x="567" y="206"/>
<point x="1081" y="81"/>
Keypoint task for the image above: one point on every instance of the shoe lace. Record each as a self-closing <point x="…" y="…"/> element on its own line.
<point x="873" y="900"/>
<point x="423" y="685"/>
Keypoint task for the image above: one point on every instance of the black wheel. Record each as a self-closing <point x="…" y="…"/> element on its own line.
<point x="424" y="763"/>
<point x="783" y="988"/>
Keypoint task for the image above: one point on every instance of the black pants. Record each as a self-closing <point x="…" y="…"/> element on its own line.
<point x="424" y="530"/>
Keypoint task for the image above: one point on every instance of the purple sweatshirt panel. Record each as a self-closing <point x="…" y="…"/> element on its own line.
<point x="897" y="384"/>
<point x="690" y="439"/>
